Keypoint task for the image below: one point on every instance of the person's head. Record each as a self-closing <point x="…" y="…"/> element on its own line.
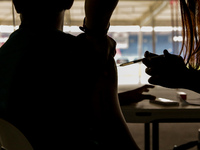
<point x="190" y="12"/>
<point x="38" y="6"/>
<point x="42" y="10"/>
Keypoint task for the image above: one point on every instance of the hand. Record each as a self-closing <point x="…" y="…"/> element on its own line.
<point x="168" y="70"/>
<point x="135" y="95"/>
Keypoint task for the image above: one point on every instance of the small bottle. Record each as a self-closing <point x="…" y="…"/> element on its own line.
<point x="182" y="97"/>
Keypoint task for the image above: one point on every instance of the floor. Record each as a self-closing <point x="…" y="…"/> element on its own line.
<point x="170" y="133"/>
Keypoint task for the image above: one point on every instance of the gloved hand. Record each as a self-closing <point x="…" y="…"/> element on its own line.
<point x="167" y="70"/>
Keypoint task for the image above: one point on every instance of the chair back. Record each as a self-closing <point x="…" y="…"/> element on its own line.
<point x="11" y="138"/>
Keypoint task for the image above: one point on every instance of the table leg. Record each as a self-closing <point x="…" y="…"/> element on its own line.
<point x="155" y="134"/>
<point x="147" y="136"/>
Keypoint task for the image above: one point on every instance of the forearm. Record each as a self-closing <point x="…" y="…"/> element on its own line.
<point x="98" y="13"/>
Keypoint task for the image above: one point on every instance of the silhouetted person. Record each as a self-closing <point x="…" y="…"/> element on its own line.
<point x="60" y="91"/>
<point x="173" y="71"/>
<point x="36" y="74"/>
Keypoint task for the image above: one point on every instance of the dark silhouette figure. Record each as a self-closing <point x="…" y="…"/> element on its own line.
<point x="59" y="90"/>
<point x="173" y="71"/>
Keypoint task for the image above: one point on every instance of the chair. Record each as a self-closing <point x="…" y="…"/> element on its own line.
<point x="189" y="145"/>
<point x="11" y="138"/>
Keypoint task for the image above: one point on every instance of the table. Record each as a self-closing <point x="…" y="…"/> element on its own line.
<point x="148" y="113"/>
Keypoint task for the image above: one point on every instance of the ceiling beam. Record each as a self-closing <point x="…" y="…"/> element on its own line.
<point x="153" y="11"/>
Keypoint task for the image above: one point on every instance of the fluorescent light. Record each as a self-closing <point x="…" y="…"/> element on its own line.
<point x="167" y="29"/>
<point x="124" y="29"/>
<point x="6" y="29"/>
<point x="147" y="29"/>
<point x="163" y="29"/>
<point x="3" y="40"/>
<point x="177" y="38"/>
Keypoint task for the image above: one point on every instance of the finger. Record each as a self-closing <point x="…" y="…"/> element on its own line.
<point x="151" y="59"/>
<point x="146" y="87"/>
<point x="142" y="89"/>
<point x="171" y="56"/>
<point x="154" y="62"/>
<point x="154" y="80"/>
<point x="148" y="71"/>
<point x="166" y="53"/>
<point x="147" y="54"/>
<point x="146" y="62"/>
<point x="149" y="86"/>
<point x="145" y="90"/>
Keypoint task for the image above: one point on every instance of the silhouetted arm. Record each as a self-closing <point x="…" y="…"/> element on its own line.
<point x="136" y="95"/>
<point x="111" y="125"/>
<point x="98" y="13"/>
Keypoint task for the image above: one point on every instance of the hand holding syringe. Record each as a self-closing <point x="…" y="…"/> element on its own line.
<point x="138" y="60"/>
